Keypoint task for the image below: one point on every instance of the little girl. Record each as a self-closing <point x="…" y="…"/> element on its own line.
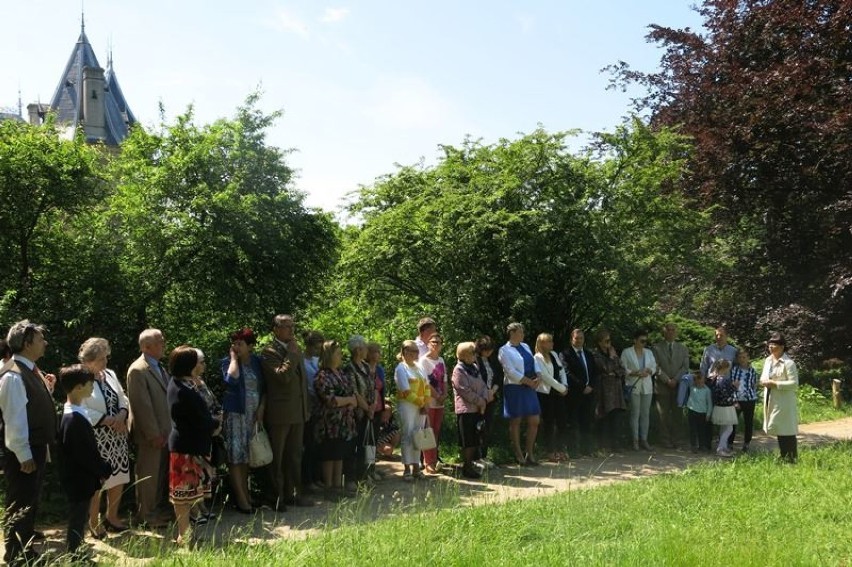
<point x="724" y="402"/>
<point x="743" y="373"/>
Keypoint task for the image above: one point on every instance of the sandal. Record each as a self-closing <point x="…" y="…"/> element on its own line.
<point x="98" y="532"/>
<point x="114" y="528"/>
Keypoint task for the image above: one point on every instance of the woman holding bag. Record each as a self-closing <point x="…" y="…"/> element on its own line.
<point x="243" y="404"/>
<point x="412" y="392"/>
<point x="641" y="366"/>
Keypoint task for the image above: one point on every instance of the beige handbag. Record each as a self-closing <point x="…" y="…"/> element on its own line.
<point x="424" y="438"/>
<point x="260" y="450"/>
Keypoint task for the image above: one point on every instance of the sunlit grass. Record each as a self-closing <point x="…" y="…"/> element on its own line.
<point x="752" y="511"/>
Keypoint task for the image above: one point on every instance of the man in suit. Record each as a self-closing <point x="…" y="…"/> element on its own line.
<point x="150" y="424"/>
<point x="672" y="362"/>
<point x="287" y="410"/>
<point x="29" y="428"/>
<point x="583" y="380"/>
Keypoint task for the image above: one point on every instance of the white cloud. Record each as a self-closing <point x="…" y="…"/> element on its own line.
<point x="286" y="21"/>
<point x="406" y="103"/>
<point x="526" y="21"/>
<point x="334" y="15"/>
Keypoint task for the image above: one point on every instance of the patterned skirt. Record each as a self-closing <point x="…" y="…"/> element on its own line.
<point x="190" y="479"/>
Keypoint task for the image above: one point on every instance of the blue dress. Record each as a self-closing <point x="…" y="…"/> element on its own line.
<point x="518" y="400"/>
<point x="238" y="428"/>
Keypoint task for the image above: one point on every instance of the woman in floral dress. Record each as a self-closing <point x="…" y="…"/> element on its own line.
<point x="243" y="404"/>
<point x="335" y="423"/>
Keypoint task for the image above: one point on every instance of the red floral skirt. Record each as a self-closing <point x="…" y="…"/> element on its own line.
<point x="190" y="479"/>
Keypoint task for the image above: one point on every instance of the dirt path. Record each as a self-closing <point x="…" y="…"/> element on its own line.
<point x="394" y="496"/>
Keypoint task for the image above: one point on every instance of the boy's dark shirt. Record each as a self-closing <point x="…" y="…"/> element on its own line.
<point x="83" y="469"/>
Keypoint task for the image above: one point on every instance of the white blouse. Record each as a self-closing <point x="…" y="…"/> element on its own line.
<point x="513" y="363"/>
<point x="96" y="404"/>
<point x="633" y="363"/>
<point x="548" y="379"/>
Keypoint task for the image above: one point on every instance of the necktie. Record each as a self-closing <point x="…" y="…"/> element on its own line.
<point x="585" y="367"/>
<point x="164" y="376"/>
<point x="670" y="350"/>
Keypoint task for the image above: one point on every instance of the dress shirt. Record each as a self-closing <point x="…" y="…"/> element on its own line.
<point x="13" y="404"/>
<point x="713" y="353"/>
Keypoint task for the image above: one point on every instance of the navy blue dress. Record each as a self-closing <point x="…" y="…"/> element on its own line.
<point x="518" y="400"/>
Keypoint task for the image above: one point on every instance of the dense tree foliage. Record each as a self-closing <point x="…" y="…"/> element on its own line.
<point x="44" y="180"/>
<point x="523" y="230"/>
<point x="213" y="236"/>
<point x="765" y="92"/>
<point x="195" y="229"/>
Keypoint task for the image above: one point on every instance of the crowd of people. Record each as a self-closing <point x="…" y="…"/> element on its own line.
<point x="327" y="420"/>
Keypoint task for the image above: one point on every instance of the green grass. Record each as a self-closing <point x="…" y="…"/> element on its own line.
<point x="752" y="511"/>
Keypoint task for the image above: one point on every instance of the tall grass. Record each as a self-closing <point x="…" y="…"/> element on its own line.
<point x="752" y="511"/>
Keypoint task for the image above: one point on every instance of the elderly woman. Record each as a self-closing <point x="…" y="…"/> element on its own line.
<point x="384" y="427"/>
<point x="191" y="437"/>
<point x="435" y="370"/>
<point x="610" y="395"/>
<point x="522" y="376"/>
<point x="358" y="373"/>
<point x="244" y="405"/>
<point x="412" y="393"/>
<point x="780" y="380"/>
<point x="108" y="411"/>
<point x="335" y="420"/>
<point x="641" y="366"/>
<point x="471" y="398"/>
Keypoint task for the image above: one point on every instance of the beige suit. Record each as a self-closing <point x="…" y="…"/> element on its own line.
<point x="150" y="424"/>
<point x="287" y="410"/>
<point x="672" y="364"/>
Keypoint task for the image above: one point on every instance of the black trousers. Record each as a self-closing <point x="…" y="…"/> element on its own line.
<point x="355" y="467"/>
<point x="581" y="415"/>
<point x="78" y="515"/>
<point x="700" y="430"/>
<point x="554" y="420"/>
<point x="23" y="493"/>
<point x="747" y="411"/>
<point x="310" y="457"/>
<point x="788" y="445"/>
<point x="490" y="408"/>
<point x="613" y="428"/>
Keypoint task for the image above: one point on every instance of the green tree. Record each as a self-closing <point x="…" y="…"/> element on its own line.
<point x="764" y="90"/>
<point x="44" y="180"/>
<point x="213" y="235"/>
<point x="524" y="230"/>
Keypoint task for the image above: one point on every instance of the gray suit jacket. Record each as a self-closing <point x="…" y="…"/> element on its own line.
<point x="672" y="366"/>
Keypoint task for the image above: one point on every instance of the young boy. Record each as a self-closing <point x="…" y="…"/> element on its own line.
<point x="83" y="471"/>
<point x="700" y="405"/>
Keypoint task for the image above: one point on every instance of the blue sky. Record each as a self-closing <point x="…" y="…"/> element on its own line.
<point x="363" y="85"/>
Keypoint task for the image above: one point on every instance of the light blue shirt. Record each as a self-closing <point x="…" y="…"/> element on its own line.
<point x="713" y="353"/>
<point x="700" y="399"/>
